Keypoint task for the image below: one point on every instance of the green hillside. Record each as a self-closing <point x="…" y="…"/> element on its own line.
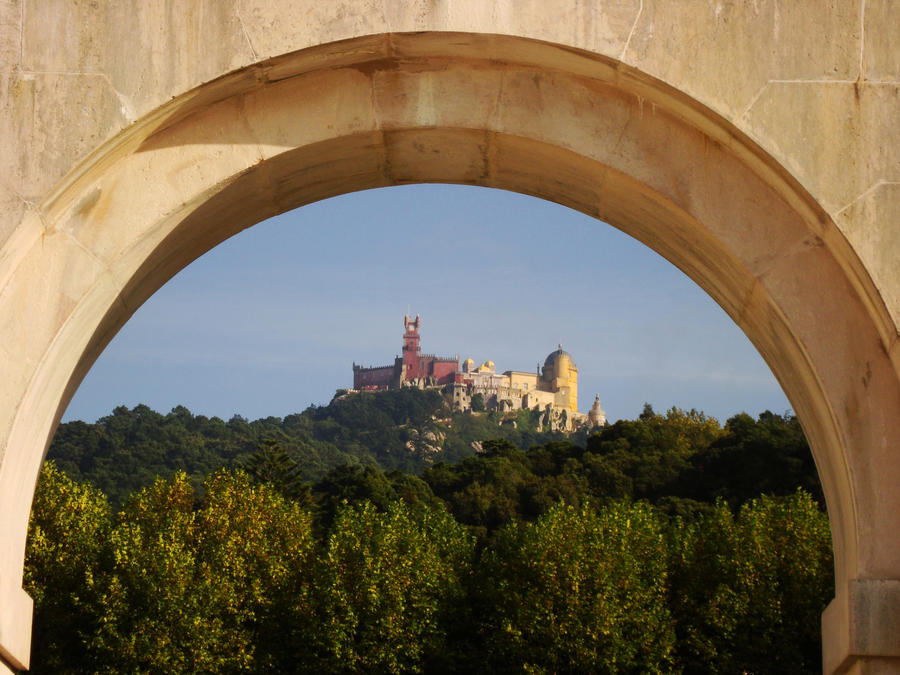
<point x="676" y="459"/>
<point x="406" y="429"/>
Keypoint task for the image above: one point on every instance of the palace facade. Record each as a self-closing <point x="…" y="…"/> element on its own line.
<point x="552" y="388"/>
<point x="411" y="369"/>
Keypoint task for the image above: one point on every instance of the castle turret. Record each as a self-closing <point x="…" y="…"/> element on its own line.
<point x="560" y="375"/>
<point x="410" y="368"/>
<point x="596" y="415"/>
<point x="411" y="336"/>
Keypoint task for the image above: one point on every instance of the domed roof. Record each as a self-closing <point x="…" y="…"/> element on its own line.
<point x="554" y="356"/>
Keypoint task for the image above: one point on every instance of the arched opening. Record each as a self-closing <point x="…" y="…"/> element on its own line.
<point x="481" y="267"/>
<point x="504" y="112"/>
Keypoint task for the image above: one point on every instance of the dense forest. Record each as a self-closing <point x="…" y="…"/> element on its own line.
<point x="667" y="543"/>
<point x="405" y="429"/>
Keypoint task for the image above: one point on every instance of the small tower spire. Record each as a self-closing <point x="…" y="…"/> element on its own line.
<point x="597" y="416"/>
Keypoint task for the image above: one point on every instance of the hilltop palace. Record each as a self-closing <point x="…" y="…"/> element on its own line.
<point x="552" y="389"/>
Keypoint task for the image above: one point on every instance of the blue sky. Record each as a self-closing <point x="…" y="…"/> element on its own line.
<point x="270" y="321"/>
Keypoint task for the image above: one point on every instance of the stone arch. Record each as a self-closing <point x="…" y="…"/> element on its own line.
<point x="570" y="126"/>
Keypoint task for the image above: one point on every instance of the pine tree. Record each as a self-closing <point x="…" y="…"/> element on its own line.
<point x="272" y="464"/>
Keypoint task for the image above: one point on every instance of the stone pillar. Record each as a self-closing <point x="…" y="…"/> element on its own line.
<point x="15" y="626"/>
<point x="861" y="629"/>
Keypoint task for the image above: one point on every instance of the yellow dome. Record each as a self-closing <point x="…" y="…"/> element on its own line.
<point x="486" y="367"/>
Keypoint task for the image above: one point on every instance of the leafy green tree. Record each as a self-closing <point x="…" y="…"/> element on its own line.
<point x="767" y="455"/>
<point x="653" y="451"/>
<point x="483" y="492"/>
<point x="388" y="582"/>
<point x="748" y="591"/>
<point x="272" y="464"/>
<point x="607" y="477"/>
<point x="68" y="530"/>
<point x="256" y="548"/>
<point x="477" y="403"/>
<point x="156" y="603"/>
<point x="351" y="484"/>
<point x="579" y="591"/>
<point x="199" y="591"/>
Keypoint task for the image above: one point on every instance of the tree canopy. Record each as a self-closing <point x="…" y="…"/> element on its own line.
<point x="663" y="544"/>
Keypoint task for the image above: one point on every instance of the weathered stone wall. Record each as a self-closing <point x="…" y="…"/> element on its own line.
<point x="814" y="83"/>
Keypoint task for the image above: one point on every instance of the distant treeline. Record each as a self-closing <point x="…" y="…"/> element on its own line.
<point x="646" y="546"/>
<point x="399" y="429"/>
<point x="676" y="459"/>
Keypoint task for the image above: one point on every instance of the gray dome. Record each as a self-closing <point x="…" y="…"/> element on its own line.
<point x="554" y="356"/>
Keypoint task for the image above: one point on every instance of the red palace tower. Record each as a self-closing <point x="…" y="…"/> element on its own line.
<point x="411" y="369"/>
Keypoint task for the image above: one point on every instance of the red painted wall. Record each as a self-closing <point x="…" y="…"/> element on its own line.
<point x="414" y="364"/>
<point x="444" y="370"/>
<point x="368" y="378"/>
